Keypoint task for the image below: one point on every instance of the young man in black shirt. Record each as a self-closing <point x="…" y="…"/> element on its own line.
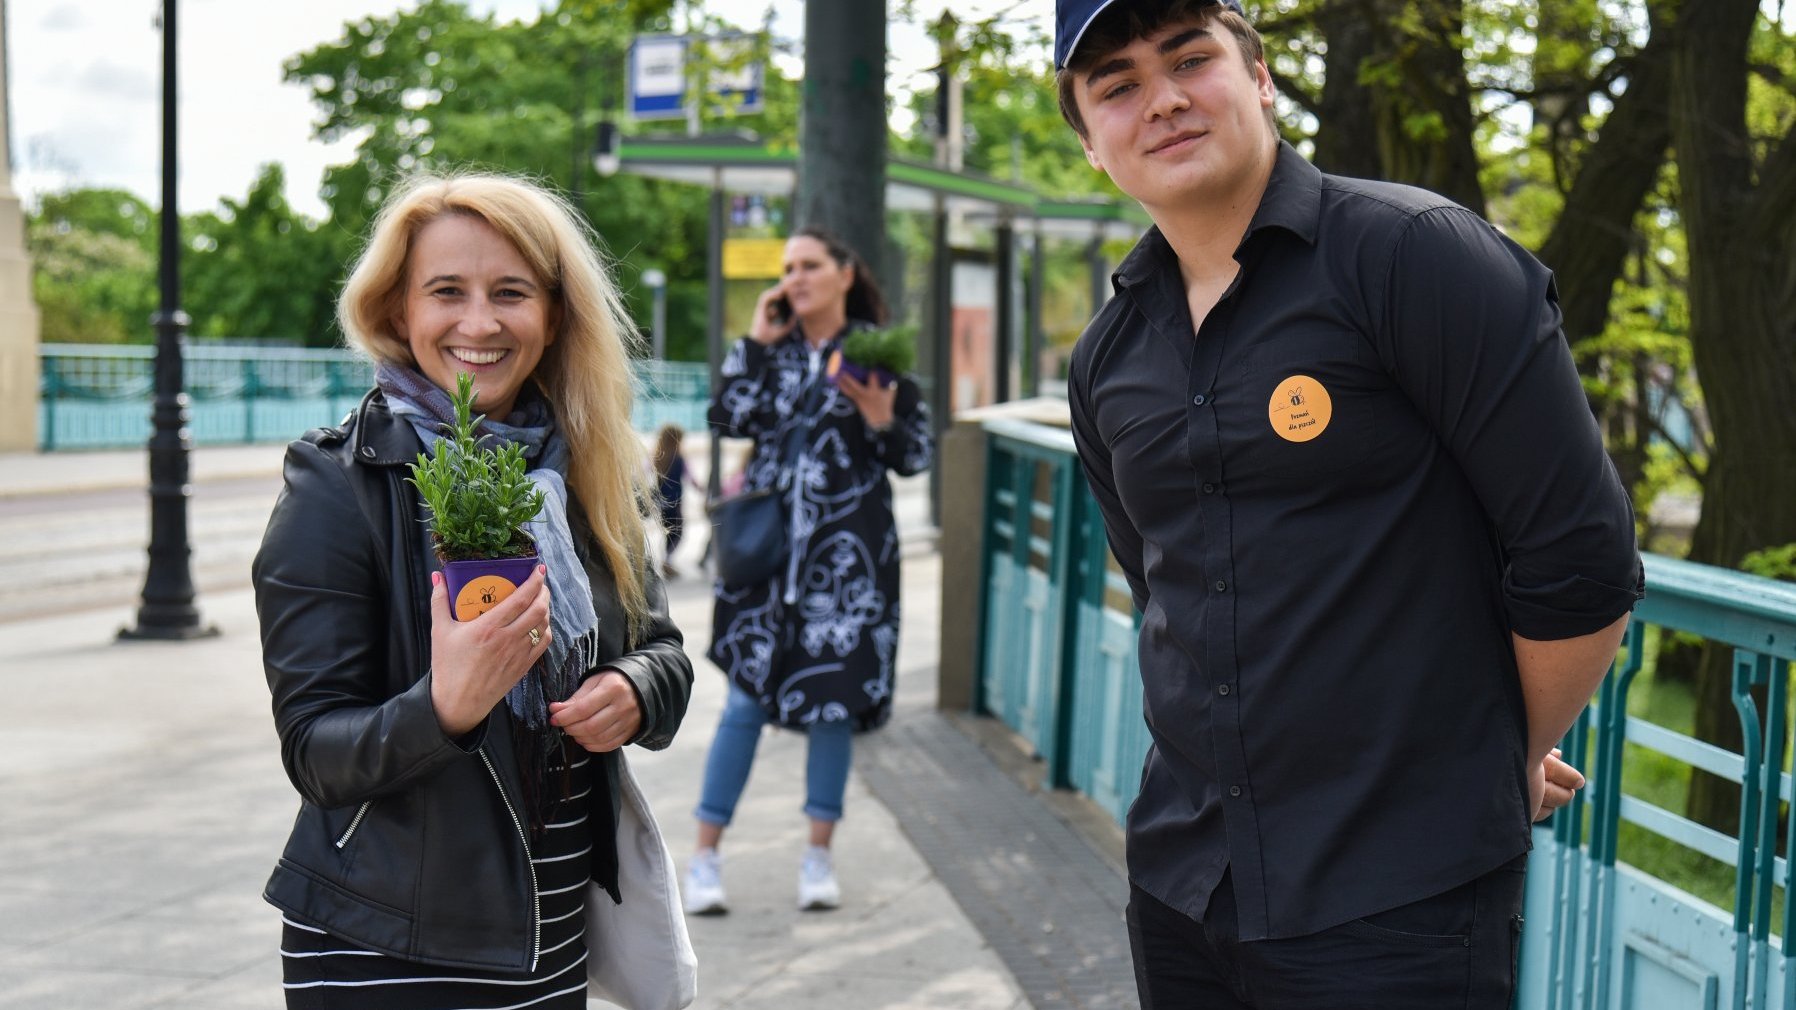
<point x="1382" y="560"/>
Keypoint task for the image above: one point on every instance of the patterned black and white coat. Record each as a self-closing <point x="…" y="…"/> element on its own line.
<point x="820" y="641"/>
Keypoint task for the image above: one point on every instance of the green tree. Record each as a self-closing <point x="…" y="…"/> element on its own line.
<point x="438" y="89"/>
<point x="254" y="268"/>
<point x="1732" y="112"/>
<point x="93" y="257"/>
<point x="1011" y="112"/>
<point x="1390" y="93"/>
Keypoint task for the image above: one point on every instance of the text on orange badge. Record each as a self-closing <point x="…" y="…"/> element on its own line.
<point x="1300" y="409"/>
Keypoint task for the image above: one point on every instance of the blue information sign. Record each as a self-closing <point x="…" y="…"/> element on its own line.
<point x="658" y="82"/>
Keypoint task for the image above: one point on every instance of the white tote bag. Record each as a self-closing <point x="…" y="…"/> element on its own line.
<point x="638" y="954"/>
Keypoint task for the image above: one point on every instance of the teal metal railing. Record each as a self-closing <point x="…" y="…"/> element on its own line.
<point x="95" y="397"/>
<point x="1056" y="662"/>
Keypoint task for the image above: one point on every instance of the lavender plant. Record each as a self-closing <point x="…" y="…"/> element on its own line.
<point x="893" y="349"/>
<point x="479" y="496"/>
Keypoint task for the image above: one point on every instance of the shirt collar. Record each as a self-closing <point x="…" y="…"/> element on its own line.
<point x="1292" y="201"/>
<point x="1293" y="197"/>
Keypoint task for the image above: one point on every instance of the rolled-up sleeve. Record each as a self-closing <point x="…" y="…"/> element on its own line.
<point x="1472" y="336"/>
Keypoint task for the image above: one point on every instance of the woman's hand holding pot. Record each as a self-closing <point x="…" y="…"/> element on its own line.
<point x="876" y="400"/>
<point x="474" y="663"/>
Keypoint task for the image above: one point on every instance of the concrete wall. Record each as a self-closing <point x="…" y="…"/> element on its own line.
<point x="961" y="463"/>
<point x="18" y="311"/>
<point x="18" y="333"/>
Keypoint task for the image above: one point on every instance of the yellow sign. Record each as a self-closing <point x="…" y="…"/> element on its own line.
<point x="748" y="259"/>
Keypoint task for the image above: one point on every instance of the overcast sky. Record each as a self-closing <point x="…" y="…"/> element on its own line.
<point x="84" y="79"/>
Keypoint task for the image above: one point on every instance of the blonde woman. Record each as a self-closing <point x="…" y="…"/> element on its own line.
<point x="459" y="780"/>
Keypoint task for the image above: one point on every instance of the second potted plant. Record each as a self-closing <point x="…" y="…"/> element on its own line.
<point x="887" y="353"/>
<point x="479" y="499"/>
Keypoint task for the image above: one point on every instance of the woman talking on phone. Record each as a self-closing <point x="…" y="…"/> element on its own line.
<point x="815" y="647"/>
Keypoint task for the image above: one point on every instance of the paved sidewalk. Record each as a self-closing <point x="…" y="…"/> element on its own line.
<point x="143" y="805"/>
<point x="24" y="474"/>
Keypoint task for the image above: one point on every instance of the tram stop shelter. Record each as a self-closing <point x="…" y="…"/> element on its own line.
<point x="737" y="165"/>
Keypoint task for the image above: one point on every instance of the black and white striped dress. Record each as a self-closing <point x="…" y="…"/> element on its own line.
<point x="322" y="972"/>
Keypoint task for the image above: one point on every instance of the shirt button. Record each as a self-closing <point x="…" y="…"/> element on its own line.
<point x="1234" y="790"/>
<point x="1198" y="399"/>
<point x="1221" y="586"/>
<point x="1223" y="690"/>
<point x="1209" y="488"/>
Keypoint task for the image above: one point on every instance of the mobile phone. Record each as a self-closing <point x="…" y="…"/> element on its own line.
<point x="782" y="310"/>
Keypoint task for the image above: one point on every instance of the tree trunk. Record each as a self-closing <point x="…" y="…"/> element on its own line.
<point x="1396" y="76"/>
<point x="1344" y="117"/>
<point x="1425" y="127"/>
<point x="842" y="133"/>
<point x="1588" y="246"/>
<point x="1742" y="331"/>
<point x="1589" y="242"/>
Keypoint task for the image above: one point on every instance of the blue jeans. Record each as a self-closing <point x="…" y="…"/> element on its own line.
<point x="831" y="747"/>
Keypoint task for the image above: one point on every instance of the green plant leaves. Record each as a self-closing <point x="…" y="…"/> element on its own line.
<point x="893" y="349"/>
<point x="479" y="497"/>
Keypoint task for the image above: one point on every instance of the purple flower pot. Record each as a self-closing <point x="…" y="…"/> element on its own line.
<point x="477" y="586"/>
<point x="839" y="364"/>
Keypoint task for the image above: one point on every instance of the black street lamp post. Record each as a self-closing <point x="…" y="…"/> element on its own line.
<point x="167" y="610"/>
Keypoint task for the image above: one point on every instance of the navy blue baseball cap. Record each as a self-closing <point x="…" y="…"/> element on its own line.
<point x="1072" y="17"/>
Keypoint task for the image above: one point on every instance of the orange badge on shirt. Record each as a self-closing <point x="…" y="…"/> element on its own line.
<point x="1300" y="409"/>
<point x="480" y="596"/>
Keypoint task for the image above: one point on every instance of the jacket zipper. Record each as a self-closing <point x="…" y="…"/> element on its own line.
<point x="536" y="912"/>
<point x="789" y="593"/>
<point x="355" y="822"/>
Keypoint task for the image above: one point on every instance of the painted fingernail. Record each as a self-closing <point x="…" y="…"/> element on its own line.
<point x="436" y="578"/>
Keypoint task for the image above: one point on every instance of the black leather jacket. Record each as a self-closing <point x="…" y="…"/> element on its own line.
<point x="409" y="842"/>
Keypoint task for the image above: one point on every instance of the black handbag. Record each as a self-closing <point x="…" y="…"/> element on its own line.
<point x="752" y="541"/>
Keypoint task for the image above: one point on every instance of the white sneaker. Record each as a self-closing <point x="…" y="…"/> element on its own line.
<point x="817" y="888"/>
<point x="704" y="884"/>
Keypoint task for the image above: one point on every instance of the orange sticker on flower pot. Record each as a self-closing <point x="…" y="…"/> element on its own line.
<point x="481" y="595"/>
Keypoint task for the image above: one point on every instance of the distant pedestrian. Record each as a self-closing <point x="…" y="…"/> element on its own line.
<point x="814" y="648"/>
<point x="460" y="781"/>
<point x="672" y="477"/>
<point x="1346" y="465"/>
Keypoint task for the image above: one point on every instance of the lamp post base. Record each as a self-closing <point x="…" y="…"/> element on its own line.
<point x="171" y="624"/>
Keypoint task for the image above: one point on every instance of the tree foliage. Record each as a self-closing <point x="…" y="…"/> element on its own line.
<point x="93" y="255"/>
<point x="255" y="268"/>
<point x="1011" y="111"/>
<point x="252" y="268"/>
<point x="439" y="89"/>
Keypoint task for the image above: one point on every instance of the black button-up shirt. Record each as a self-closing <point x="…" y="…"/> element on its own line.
<point x="1333" y="502"/>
